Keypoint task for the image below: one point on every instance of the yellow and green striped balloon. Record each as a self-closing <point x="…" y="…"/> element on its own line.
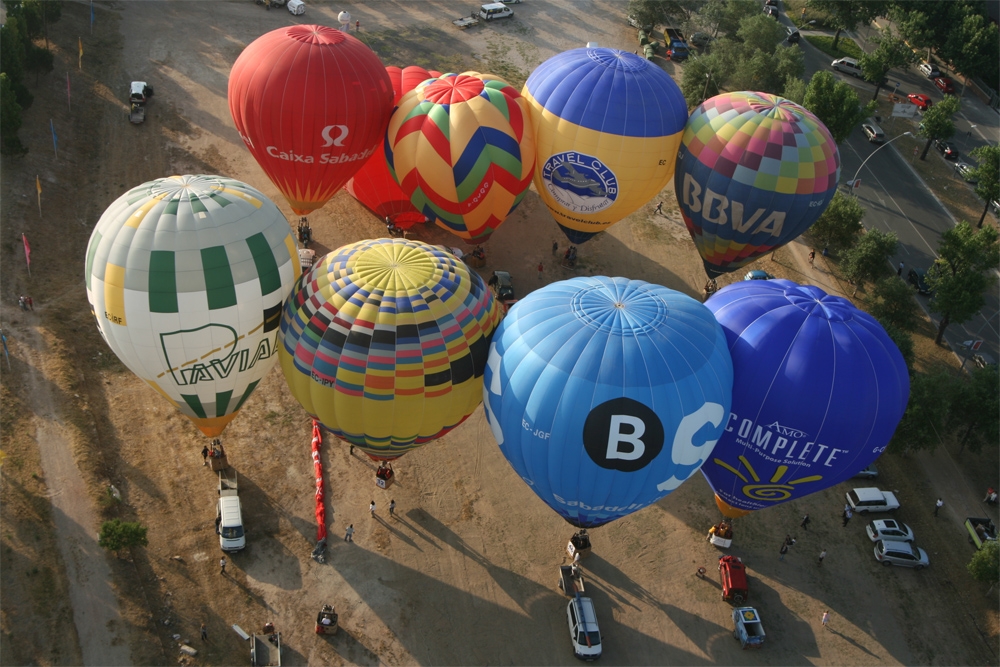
<point x="186" y="276"/>
<point x="385" y="343"/>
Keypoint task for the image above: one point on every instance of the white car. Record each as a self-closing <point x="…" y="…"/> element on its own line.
<point x="871" y="500"/>
<point x="905" y="554"/>
<point x="583" y="630"/>
<point x="889" y="529"/>
<point x="929" y="70"/>
<point x="847" y="65"/>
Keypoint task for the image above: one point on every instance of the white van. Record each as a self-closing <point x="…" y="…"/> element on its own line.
<point x="848" y="66"/>
<point x="230" y="524"/>
<point x="583" y="630"/>
<point x="495" y="10"/>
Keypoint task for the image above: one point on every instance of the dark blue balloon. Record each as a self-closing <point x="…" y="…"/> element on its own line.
<point x="819" y="388"/>
<point x="605" y="394"/>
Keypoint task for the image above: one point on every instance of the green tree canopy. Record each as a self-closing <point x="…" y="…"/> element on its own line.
<point x="724" y="16"/>
<point x="10" y="120"/>
<point x="985" y="564"/>
<point x="974" y="418"/>
<point x="987" y="174"/>
<point x="698" y="83"/>
<point x="891" y="301"/>
<point x="937" y="123"/>
<point x="761" y="33"/>
<point x="836" y="104"/>
<point x="117" y="535"/>
<point x="962" y="272"/>
<point x="850" y="14"/>
<point x="840" y="224"/>
<point x="868" y="259"/>
<point x="891" y="52"/>
<point x="903" y="341"/>
<point x="794" y="90"/>
<point x="923" y="422"/>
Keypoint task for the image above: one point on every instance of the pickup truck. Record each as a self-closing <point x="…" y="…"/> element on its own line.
<point x="677" y="48"/>
<point x="265" y="649"/>
<point x="748" y="628"/>
<point x="981" y="531"/>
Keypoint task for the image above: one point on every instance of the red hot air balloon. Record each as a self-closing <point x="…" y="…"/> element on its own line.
<point x="373" y="185"/>
<point x="312" y="104"/>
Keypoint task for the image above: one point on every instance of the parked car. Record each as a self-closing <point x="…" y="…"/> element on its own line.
<point x="700" y="40"/>
<point x="869" y="472"/>
<point x="984" y="360"/>
<point x="758" y="275"/>
<point x="945" y="85"/>
<point x="583" y="630"/>
<point x="918" y="278"/>
<point x="967" y="172"/>
<point x="848" y="66"/>
<point x="771" y="11"/>
<point x="793" y="35"/>
<point x="929" y="70"/>
<point x="511" y="2"/>
<point x="946" y="149"/>
<point x="889" y="529"/>
<point x="502" y="285"/>
<point x="873" y="132"/>
<point x="921" y="100"/>
<point x="889" y="552"/>
<point x="634" y="22"/>
<point x="870" y="499"/>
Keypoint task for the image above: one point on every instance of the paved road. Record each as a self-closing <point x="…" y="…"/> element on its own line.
<point x="893" y="202"/>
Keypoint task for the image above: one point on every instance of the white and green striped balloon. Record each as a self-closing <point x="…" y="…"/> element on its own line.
<point x="186" y="276"/>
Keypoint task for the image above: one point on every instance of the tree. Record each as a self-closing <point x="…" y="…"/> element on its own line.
<point x="698" y="83"/>
<point x="836" y="104"/>
<point x="868" y="260"/>
<point x="840" y="223"/>
<point x="973" y="417"/>
<point x="926" y="413"/>
<point x="10" y="120"/>
<point x="985" y="564"/>
<point x="937" y="123"/>
<point x="760" y="33"/>
<point x="891" y="301"/>
<point x="794" y="90"/>
<point x="725" y="15"/>
<point x="657" y="12"/>
<point x="117" y="535"/>
<point x="972" y="42"/>
<point x="988" y="176"/>
<point x="849" y="14"/>
<point x="903" y="341"/>
<point x="917" y="23"/>
<point x="962" y="272"/>
<point x="890" y="53"/>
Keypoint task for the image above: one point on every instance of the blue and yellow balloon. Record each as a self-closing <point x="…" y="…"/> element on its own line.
<point x="597" y="161"/>
<point x="818" y="390"/>
<point x="605" y="394"/>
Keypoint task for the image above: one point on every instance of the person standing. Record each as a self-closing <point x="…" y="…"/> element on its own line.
<point x="805" y="522"/>
<point x="204" y="455"/>
<point x="783" y="550"/>
<point x="371" y="508"/>
<point x="659" y="208"/>
<point x="899" y="270"/>
<point x="30" y="301"/>
<point x="222" y="565"/>
<point x="555" y="248"/>
<point x="826" y="619"/>
<point x="847" y="516"/>
<point x="204" y="633"/>
<point x="822" y="555"/>
<point x="22" y="302"/>
<point x="938" y="505"/>
<point x="541" y="268"/>
<point x="812" y="256"/>
<point x="392" y="508"/>
<point x="357" y="26"/>
<point x="349" y="535"/>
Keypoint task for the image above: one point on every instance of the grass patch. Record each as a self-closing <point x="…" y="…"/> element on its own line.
<point x="793" y="9"/>
<point x="846" y="48"/>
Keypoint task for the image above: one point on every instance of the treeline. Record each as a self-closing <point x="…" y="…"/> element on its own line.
<point x="27" y="20"/>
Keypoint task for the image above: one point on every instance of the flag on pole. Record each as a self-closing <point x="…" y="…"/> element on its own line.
<point x="91" y="17"/>
<point x="6" y="353"/>
<point x="27" y="252"/>
<point x="79" y="41"/>
<point x="55" y="139"/>
<point x="38" y="187"/>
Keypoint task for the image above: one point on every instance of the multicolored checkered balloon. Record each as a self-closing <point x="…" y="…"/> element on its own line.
<point x="461" y="148"/>
<point x="753" y="172"/>
<point x="385" y="342"/>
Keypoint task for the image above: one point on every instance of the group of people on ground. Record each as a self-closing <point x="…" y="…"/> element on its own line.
<point x="25" y="302"/>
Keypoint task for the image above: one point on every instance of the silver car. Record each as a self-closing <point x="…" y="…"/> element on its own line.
<point x="905" y="554"/>
<point x="889" y="529"/>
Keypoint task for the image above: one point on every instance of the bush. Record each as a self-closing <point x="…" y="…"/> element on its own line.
<point x="117" y="535"/>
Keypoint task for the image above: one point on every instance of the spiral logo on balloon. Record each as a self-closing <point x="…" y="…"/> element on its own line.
<point x="774" y="491"/>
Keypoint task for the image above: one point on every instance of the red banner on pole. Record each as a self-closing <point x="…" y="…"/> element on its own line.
<point x="27" y="251"/>
<point x="317" y="442"/>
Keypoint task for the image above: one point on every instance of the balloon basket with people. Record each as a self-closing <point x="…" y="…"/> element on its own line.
<point x="721" y="534"/>
<point x="305" y="233"/>
<point x="579" y="544"/>
<point x="477" y="258"/>
<point x="384" y="475"/>
<point x="217" y="456"/>
<point x="326" y="620"/>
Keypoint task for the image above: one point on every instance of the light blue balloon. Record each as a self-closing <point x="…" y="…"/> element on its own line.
<point x="605" y="394"/>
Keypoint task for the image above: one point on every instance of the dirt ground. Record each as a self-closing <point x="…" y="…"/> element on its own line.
<point x="466" y="571"/>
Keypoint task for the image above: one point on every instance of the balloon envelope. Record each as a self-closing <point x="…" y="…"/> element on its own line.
<point x="754" y="171"/>
<point x="186" y="276"/>
<point x="605" y="394"/>
<point x="607" y="126"/>
<point x="311" y="103"/>
<point x="461" y="148"/>
<point x="373" y="185"/>
<point x="385" y="342"/>
<point x="818" y="390"/>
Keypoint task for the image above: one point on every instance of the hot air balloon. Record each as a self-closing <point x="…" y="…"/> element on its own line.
<point x="607" y="126"/>
<point x="605" y="394"/>
<point x="461" y="148"/>
<point x="186" y="276"/>
<point x="311" y="103"/>
<point x="754" y="171"/>
<point x="385" y="342"/>
<point x="373" y="185"/>
<point x="818" y="390"/>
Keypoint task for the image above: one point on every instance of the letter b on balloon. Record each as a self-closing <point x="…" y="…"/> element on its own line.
<point x="622" y="434"/>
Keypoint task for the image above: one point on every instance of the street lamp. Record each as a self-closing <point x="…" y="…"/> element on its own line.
<point x="858" y="172"/>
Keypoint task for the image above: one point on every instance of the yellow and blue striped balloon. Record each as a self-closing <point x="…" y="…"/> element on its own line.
<point x="385" y="342"/>
<point x="186" y="276"/>
<point x="607" y="127"/>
